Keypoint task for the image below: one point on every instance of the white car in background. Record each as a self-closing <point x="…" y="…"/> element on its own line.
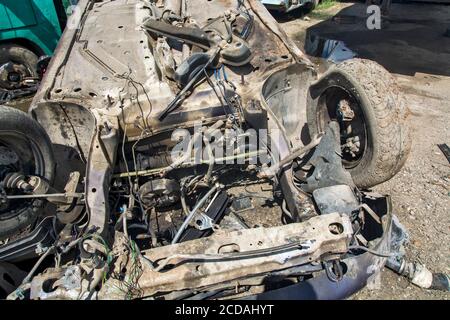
<point x="289" y="5"/>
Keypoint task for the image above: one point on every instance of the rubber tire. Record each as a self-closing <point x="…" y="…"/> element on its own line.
<point x="310" y="6"/>
<point x="13" y="120"/>
<point x="19" y="54"/>
<point x="385" y="113"/>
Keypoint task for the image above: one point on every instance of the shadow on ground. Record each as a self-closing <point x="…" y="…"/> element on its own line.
<point x="411" y="39"/>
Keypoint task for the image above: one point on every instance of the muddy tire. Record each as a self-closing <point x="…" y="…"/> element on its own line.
<point x="32" y="148"/>
<point x="381" y="141"/>
<point x="23" y="63"/>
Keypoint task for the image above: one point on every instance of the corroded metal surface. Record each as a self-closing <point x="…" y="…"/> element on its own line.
<point x="233" y="256"/>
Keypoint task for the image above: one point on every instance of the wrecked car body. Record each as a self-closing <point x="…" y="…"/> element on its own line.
<point x="200" y="156"/>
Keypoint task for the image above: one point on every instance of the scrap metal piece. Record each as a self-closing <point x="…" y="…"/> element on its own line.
<point x="419" y="275"/>
<point x="340" y="198"/>
<point x="69" y="211"/>
<point x="228" y="256"/>
<point x="190" y="67"/>
<point x="332" y="50"/>
<point x="327" y="162"/>
<point x="214" y="213"/>
<point x="237" y="53"/>
<point x="27" y="247"/>
<point x="345" y="111"/>
<point x="160" y="193"/>
<point x="445" y="150"/>
<point x="242" y="204"/>
<point x="67" y="284"/>
<point x="191" y="35"/>
<point x="203" y="222"/>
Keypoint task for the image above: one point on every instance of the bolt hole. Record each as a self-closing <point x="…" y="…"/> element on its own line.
<point x="336" y="228"/>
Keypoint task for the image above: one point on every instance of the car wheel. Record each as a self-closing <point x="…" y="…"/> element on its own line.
<point x="26" y="149"/>
<point x="366" y="101"/>
<point x="16" y="64"/>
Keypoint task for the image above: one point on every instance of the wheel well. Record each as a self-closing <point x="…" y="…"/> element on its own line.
<point x="28" y="44"/>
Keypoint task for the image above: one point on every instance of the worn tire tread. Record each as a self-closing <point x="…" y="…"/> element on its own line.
<point x="392" y="141"/>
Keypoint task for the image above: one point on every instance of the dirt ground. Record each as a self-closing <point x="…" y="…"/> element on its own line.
<point x="410" y="45"/>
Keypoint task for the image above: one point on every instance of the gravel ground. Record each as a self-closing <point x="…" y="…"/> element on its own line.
<point x="419" y="56"/>
<point x="421" y="198"/>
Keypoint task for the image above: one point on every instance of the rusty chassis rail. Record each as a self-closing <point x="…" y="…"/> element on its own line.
<point x="236" y="257"/>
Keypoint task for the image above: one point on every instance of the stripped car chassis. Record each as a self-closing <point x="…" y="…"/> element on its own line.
<point x="141" y="224"/>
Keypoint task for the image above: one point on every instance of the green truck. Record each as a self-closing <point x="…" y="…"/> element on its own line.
<point x="29" y="29"/>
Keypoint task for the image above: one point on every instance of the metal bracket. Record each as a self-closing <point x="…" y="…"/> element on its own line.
<point x="203" y="222"/>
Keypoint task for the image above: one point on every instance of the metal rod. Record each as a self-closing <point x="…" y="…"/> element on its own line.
<point x="248" y="155"/>
<point x="273" y="170"/>
<point x="53" y="195"/>
<point x="192" y="213"/>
